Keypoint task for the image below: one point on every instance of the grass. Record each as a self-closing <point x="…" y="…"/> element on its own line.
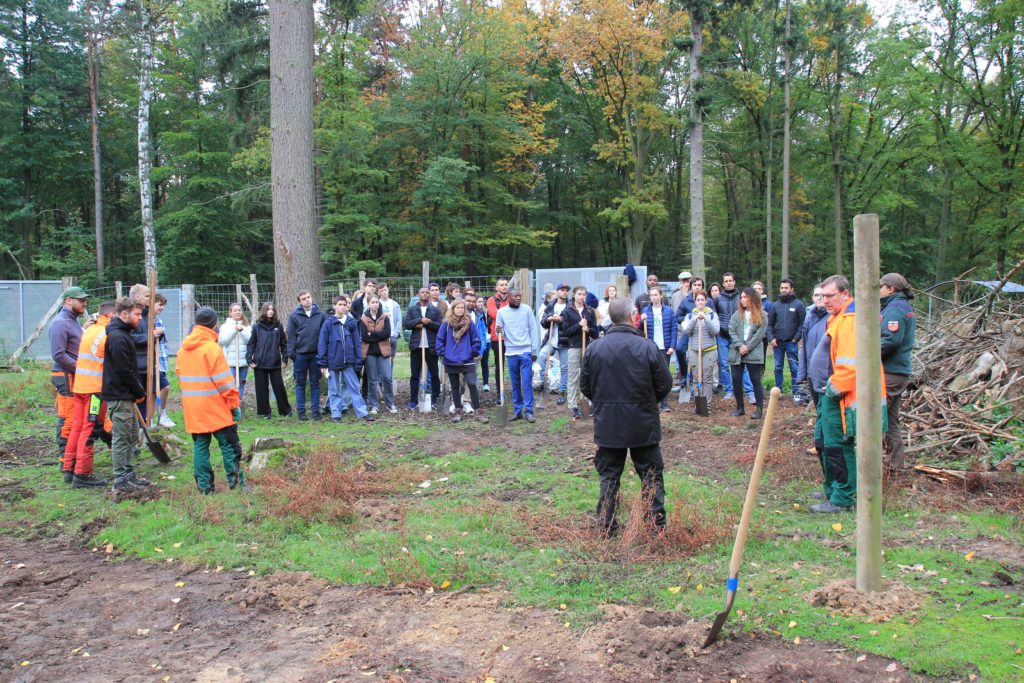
<point x="494" y="515"/>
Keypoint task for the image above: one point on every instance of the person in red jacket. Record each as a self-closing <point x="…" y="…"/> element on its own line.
<point x="494" y="303"/>
<point x="209" y="400"/>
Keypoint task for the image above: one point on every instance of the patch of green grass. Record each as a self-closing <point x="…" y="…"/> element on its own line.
<point x="472" y="526"/>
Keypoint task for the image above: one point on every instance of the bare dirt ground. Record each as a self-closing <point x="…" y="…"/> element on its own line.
<point x="71" y="614"/>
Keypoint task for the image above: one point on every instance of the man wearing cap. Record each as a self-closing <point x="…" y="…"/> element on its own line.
<point x="898" y="330"/>
<point x="552" y="321"/>
<point x="65" y="336"/>
<point x="684" y="289"/>
<point x="644" y="300"/>
<point x="209" y="401"/>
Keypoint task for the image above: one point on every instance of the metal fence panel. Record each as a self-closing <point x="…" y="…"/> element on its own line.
<point x="22" y="304"/>
<point x="594" y="279"/>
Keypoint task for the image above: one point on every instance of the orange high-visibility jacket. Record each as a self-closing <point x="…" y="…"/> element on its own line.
<point x="842" y="329"/>
<point x="89" y="373"/>
<point x="208" y="392"/>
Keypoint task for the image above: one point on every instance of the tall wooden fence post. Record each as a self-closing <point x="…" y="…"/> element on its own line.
<point x="622" y="287"/>
<point x="238" y="294"/>
<point x="362" y="280"/>
<point x="188" y="308"/>
<point x="254" y="293"/>
<point x="426" y="273"/>
<point x="525" y="285"/>
<point x="869" y="404"/>
<point x="118" y="289"/>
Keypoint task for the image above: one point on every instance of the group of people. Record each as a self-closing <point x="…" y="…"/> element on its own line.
<point x="718" y="344"/>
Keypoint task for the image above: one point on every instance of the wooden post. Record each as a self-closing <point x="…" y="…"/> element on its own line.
<point x="238" y="294"/>
<point x="151" y="348"/>
<point x="362" y="280"/>
<point x="341" y="289"/>
<point x="466" y="284"/>
<point x="118" y="289"/>
<point x="869" y="404"/>
<point x="622" y="287"/>
<point x="188" y="309"/>
<point x="525" y="285"/>
<point x="426" y="273"/>
<point x="254" y="294"/>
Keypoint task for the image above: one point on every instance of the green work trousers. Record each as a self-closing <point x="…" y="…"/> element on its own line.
<point x="231" y="454"/>
<point x="840" y="452"/>
<point x="125" y="435"/>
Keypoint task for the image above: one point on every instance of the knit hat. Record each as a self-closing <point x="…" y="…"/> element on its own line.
<point x="207" y="317"/>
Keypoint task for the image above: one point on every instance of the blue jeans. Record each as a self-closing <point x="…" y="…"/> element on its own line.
<point x="520" y="374"/>
<point x="305" y="369"/>
<point x="563" y="371"/>
<point x="725" y="373"/>
<point x="790" y="350"/>
<point x="343" y="390"/>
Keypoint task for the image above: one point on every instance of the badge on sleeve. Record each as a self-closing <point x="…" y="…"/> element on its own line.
<point x="893" y="325"/>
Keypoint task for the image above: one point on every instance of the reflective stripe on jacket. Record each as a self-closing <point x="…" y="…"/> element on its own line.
<point x="89" y="378"/>
<point x="842" y="329"/>
<point x="208" y="391"/>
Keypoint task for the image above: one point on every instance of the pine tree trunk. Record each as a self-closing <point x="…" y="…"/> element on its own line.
<point x="785" y="151"/>
<point x="769" y="265"/>
<point x="837" y="161"/>
<point x="696" y="149"/>
<point x="97" y="170"/>
<point x="296" y="247"/>
<point x="145" y="159"/>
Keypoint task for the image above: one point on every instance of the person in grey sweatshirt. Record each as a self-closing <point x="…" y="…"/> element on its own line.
<point x="518" y="326"/>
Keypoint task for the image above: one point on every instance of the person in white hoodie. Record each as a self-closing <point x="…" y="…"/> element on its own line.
<point x="518" y="325"/>
<point x="233" y="339"/>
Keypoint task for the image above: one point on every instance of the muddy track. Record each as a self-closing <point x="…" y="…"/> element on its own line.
<point x="71" y="614"/>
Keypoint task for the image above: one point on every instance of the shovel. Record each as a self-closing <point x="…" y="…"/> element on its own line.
<point x="733" y="583"/>
<point x="501" y="417"/>
<point x="424" y="402"/>
<point x="586" y="407"/>
<point x="238" y="371"/>
<point x="700" y="400"/>
<point x="156" y="448"/>
<point x="446" y="392"/>
<point x="542" y="401"/>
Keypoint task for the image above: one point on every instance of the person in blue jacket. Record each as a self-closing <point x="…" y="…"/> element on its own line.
<point x="661" y="327"/>
<point x="340" y="358"/>
<point x="458" y="347"/>
<point x="811" y="332"/>
<point x="304" y="325"/>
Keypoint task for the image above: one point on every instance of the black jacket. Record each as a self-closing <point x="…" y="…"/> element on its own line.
<point x="304" y="331"/>
<point x="570" y="329"/>
<point x="140" y="335"/>
<point x="120" y="369"/>
<point x="725" y="305"/>
<point x="625" y="376"/>
<point x="412" y="322"/>
<point x="786" y="319"/>
<point x="268" y="346"/>
<point x="546" y="322"/>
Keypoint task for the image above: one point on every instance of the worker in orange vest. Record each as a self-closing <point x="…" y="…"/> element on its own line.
<point x="88" y="411"/>
<point x="838" y="403"/>
<point x="210" y="402"/>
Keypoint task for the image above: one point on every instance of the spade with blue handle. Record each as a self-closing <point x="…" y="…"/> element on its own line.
<point x="733" y="582"/>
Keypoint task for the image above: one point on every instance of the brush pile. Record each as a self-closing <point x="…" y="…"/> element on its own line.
<point x="965" y="403"/>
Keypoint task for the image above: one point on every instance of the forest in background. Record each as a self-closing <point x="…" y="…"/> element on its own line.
<point x="485" y="136"/>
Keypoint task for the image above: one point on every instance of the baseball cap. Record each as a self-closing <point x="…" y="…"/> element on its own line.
<point x="564" y="285"/>
<point x="685" y="275"/>
<point x="74" y="293"/>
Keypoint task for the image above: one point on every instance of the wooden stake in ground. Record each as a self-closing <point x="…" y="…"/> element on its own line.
<point x="869" y="404"/>
<point x="150" y="344"/>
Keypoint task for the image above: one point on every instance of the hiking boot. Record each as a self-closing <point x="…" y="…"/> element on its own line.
<point x="664" y="406"/>
<point x="483" y="419"/>
<point x="302" y="417"/>
<point x="86" y="481"/>
<point x="368" y="418"/>
<point x="530" y="418"/>
<point x="457" y="417"/>
<point x="123" y="483"/>
<point x="69" y="477"/>
<point x="516" y="416"/>
<point x="576" y="414"/>
<point x="317" y="417"/>
<point x="739" y="412"/>
<point x="756" y="415"/>
<point x="136" y="479"/>
<point x="828" y="508"/>
<point x="336" y="419"/>
<point x="561" y="399"/>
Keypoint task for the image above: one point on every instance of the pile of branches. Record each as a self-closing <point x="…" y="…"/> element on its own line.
<point x="966" y="397"/>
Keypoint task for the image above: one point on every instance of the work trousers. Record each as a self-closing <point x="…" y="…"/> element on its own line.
<point x="230" y="452"/>
<point x="78" y="455"/>
<point x="63" y="402"/>
<point x="840" y="453"/>
<point x="264" y="379"/>
<point x="575" y="363"/>
<point x="703" y="386"/>
<point x="895" y="385"/>
<point x="378" y="370"/>
<point x="649" y="466"/>
<point x="305" y="369"/>
<point x="125" y="436"/>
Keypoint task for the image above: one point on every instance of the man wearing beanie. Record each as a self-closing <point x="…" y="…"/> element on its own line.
<point x="209" y="400"/>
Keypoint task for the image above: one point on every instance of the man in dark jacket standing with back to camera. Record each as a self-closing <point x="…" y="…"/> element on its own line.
<point x="625" y="376"/>
<point x="303" y="336"/>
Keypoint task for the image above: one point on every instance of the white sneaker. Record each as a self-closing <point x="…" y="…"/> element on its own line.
<point x="467" y="409"/>
<point x="392" y="409"/>
<point x="451" y="409"/>
<point x="373" y="411"/>
<point x="166" y="421"/>
<point x="487" y="387"/>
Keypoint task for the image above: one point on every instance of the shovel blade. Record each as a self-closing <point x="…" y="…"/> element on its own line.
<point x="159" y="452"/>
<point x="702" y="405"/>
<point x="425" y="403"/>
<point x="446" y="402"/>
<point x="716" y="627"/>
<point x="501" y="416"/>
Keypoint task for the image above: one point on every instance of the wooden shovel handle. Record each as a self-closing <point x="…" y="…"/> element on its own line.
<point x="755" y="480"/>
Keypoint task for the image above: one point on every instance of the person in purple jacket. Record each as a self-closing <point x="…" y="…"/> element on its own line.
<point x="458" y="347"/>
<point x="65" y="335"/>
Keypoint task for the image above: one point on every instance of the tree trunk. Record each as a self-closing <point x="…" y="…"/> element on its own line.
<point x="145" y="159"/>
<point x="768" y="266"/>
<point x="837" y="161"/>
<point x="296" y="247"/>
<point x="27" y="224"/>
<point x="785" y="150"/>
<point x="97" y="170"/>
<point x="696" y="149"/>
